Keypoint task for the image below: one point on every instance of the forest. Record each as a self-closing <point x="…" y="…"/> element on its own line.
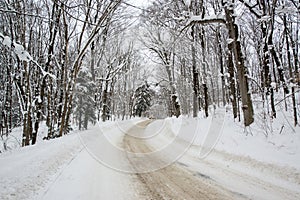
<point x="78" y="62"/>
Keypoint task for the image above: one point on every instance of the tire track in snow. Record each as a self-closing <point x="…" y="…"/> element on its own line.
<point x="246" y="183"/>
<point x="172" y="182"/>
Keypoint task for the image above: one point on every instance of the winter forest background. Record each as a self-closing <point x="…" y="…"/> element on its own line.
<point x="67" y="63"/>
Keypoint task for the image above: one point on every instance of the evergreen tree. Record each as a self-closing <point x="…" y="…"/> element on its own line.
<point x="143" y="96"/>
<point x="84" y="111"/>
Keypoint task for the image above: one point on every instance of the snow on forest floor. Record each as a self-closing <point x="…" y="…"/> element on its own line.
<point x="29" y="172"/>
<point x="273" y="159"/>
<point x="281" y="147"/>
<point x="242" y="161"/>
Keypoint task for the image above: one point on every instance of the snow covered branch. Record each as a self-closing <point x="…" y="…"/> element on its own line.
<point x="22" y="54"/>
<point x="208" y="19"/>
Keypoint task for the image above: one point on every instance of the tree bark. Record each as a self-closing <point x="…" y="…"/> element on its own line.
<point x="291" y="72"/>
<point x="195" y="75"/>
<point x="220" y="55"/>
<point x="247" y="106"/>
<point x="233" y="96"/>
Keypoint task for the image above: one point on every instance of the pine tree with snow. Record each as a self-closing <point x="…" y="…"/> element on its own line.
<point x="84" y="111"/>
<point x="142" y="97"/>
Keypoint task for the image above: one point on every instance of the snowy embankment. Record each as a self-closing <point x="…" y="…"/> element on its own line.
<point x="279" y="149"/>
<point x="282" y="147"/>
<point x="34" y="172"/>
<point x="242" y="160"/>
<point x="27" y="170"/>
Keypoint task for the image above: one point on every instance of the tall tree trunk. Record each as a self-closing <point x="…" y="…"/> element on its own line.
<point x="220" y="55"/>
<point x="174" y="106"/>
<point x="195" y="74"/>
<point x="204" y="74"/>
<point x="105" y="102"/>
<point x="291" y="71"/>
<point x="233" y="96"/>
<point x="239" y="62"/>
<point x="9" y="101"/>
<point x="64" y="73"/>
<point x="27" y="126"/>
<point x="80" y="113"/>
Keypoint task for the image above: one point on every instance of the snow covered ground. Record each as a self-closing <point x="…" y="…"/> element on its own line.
<point x="281" y="147"/>
<point x="244" y="164"/>
<point x="61" y="169"/>
<point x="26" y="170"/>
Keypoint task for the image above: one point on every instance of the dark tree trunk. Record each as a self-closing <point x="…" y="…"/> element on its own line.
<point x="80" y="113"/>
<point x="195" y="76"/>
<point x="205" y="90"/>
<point x="239" y="62"/>
<point x="231" y="78"/>
<point x="291" y="72"/>
<point x="220" y="54"/>
<point x="105" y="102"/>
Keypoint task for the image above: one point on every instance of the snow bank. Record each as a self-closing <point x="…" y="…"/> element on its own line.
<point x="63" y="167"/>
<point x="14" y="139"/>
<point x="279" y="149"/>
<point x="26" y="170"/>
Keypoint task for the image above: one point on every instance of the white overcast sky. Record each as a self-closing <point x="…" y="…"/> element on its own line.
<point x="139" y="2"/>
<point x="148" y="66"/>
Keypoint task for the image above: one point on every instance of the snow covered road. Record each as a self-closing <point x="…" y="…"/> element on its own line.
<point x="71" y="168"/>
<point x="172" y="182"/>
